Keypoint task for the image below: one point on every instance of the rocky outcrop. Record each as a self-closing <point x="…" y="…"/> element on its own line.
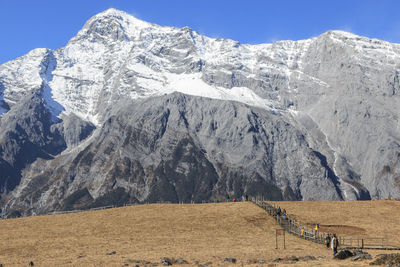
<point x="343" y="254"/>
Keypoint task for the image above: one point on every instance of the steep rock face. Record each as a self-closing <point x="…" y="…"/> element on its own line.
<point x="26" y="135"/>
<point x="359" y="110"/>
<point x="180" y="148"/>
<point x="29" y="133"/>
<point x="309" y="119"/>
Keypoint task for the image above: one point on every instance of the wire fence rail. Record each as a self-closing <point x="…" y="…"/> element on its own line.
<point x="300" y="230"/>
<point x="115" y="206"/>
<point x="367" y="243"/>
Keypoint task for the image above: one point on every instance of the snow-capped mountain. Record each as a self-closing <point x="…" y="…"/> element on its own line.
<point x="116" y="55"/>
<point x="329" y="103"/>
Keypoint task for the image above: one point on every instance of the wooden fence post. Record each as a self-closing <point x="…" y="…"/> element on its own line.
<point x="284" y="240"/>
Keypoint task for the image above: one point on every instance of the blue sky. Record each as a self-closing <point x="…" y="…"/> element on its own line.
<point x="29" y="24"/>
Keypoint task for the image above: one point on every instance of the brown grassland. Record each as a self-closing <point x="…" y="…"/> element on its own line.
<point x="194" y="232"/>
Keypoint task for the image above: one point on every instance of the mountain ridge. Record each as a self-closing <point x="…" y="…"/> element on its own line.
<point x="128" y="19"/>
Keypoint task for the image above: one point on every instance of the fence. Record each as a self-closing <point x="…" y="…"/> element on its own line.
<point x="367" y="243"/>
<point x="291" y="225"/>
<point x="303" y="231"/>
<point x="3" y="217"/>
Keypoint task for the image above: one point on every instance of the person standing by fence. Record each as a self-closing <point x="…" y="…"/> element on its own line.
<point x="284" y="215"/>
<point x="316" y="228"/>
<point x="278" y="214"/>
<point x="328" y="240"/>
<point x="334" y="244"/>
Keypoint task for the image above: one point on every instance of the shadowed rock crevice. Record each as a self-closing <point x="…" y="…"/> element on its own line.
<point x="77" y="200"/>
<point x="329" y="172"/>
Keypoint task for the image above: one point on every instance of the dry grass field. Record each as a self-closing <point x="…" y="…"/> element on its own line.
<point x="198" y="233"/>
<point x="364" y="219"/>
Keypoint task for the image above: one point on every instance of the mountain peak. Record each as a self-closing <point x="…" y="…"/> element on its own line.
<point x="114" y="11"/>
<point x="340" y="33"/>
<point x="121" y="16"/>
<point x="112" y="23"/>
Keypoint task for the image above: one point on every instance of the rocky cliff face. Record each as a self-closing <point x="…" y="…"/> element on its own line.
<point x="180" y="148"/>
<point x="130" y="111"/>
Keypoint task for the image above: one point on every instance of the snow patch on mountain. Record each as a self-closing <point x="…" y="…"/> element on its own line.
<point x="47" y="67"/>
<point x="192" y="84"/>
<point x="154" y="83"/>
<point x="21" y="75"/>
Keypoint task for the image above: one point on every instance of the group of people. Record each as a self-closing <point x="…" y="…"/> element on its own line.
<point x="332" y="242"/>
<point x="281" y="213"/>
